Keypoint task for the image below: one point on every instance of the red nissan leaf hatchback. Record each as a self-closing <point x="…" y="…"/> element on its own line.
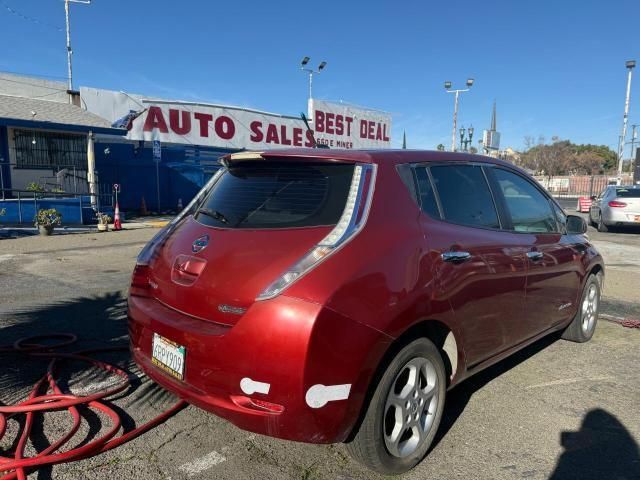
<point x="335" y="296"/>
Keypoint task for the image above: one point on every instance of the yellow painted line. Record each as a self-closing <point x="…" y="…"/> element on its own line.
<point x="157" y="224"/>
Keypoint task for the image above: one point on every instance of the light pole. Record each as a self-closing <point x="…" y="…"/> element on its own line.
<point x="69" y="51"/>
<point x="630" y="66"/>
<point x="311" y="71"/>
<point x="464" y="143"/>
<point x="447" y="86"/>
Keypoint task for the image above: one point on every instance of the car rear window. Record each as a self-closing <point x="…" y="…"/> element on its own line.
<point x="277" y="195"/>
<point x="628" y="192"/>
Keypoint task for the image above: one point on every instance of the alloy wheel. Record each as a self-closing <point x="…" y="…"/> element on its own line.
<point x="589" y="308"/>
<point x="411" y="407"/>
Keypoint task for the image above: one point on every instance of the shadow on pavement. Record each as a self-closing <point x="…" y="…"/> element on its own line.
<point x="602" y="448"/>
<point x="458" y="398"/>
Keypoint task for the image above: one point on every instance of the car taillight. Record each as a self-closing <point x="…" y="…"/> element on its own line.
<point x="140" y="286"/>
<point x="616" y="204"/>
<point x="351" y="222"/>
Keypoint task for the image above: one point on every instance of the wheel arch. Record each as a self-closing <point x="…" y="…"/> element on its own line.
<point x="443" y="337"/>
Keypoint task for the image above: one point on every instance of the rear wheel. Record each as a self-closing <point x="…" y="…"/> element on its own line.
<point x="601" y="225"/>
<point x="404" y="413"/>
<point x="583" y="326"/>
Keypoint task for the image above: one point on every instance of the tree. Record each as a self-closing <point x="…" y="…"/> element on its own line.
<point x="588" y="162"/>
<point x="562" y="157"/>
<point x="547" y="159"/>
<point x="440" y="147"/>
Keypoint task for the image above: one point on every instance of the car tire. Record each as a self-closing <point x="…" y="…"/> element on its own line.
<point x="591" y="222"/>
<point x="393" y="439"/>
<point x="602" y="227"/>
<point x="584" y="323"/>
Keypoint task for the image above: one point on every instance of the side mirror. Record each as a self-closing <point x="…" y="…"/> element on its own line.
<point x="576" y="225"/>
<point x="593" y="197"/>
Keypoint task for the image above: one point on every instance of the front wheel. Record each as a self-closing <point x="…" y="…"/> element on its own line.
<point x="404" y="413"/>
<point x="583" y="326"/>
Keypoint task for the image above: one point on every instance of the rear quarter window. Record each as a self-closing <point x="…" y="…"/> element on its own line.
<point x="464" y="195"/>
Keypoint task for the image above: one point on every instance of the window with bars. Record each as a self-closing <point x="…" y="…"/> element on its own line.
<point x="49" y="150"/>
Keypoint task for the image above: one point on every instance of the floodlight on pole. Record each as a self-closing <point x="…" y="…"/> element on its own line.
<point x="69" y="50"/>
<point x="311" y="71"/>
<point x="457" y="92"/>
<point x="630" y="64"/>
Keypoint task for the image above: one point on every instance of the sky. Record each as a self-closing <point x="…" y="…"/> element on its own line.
<point x="554" y="67"/>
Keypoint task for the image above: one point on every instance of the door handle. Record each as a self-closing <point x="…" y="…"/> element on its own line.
<point x="535" y="256"/>
<point x="455" y="257"/>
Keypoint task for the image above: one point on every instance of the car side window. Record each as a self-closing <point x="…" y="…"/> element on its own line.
<point x="530" y="210"/>
<point x="428" y="201"/>
<point x="465" y="197"/>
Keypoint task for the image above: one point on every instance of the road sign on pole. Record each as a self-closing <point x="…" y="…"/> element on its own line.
<point x="157" y="157"/>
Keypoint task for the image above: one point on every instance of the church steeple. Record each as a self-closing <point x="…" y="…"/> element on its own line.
<point x="493" y="118"/>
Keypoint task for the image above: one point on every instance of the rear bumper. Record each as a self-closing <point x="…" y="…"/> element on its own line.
<point x="612" y="216"/>
<point x="289" y="344"/>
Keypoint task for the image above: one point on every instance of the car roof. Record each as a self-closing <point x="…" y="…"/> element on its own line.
<point x="386" y="156"/>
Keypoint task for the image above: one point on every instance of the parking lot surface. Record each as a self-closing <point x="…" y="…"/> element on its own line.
<point x="555" y="410"/>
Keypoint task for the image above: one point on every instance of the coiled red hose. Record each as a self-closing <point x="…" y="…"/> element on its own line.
<point x="46" y="396"/>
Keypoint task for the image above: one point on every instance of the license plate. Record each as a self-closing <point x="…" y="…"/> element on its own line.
<point x="168" y="356"/>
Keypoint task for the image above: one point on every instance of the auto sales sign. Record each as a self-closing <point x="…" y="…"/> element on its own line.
<point x="335" y="124"/>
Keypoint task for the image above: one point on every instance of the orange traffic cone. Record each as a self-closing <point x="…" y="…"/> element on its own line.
<point x="116" y="218"/>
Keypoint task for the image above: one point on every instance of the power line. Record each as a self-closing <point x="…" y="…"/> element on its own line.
<point x="28" y="18"/>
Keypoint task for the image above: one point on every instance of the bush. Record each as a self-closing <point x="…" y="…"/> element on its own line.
<point x="48" y="217"/>
<point x="35" y="187"/>
<point x="103" y="218"/>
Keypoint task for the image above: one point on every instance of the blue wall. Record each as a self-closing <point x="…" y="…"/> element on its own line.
<point x="184" y="169"/>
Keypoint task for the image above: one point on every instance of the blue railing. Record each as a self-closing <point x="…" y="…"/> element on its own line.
<point x="21" y="206"/>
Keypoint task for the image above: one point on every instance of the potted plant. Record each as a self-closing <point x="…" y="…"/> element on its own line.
<point x="103" y="221"/>
<point x="46" y="220"/>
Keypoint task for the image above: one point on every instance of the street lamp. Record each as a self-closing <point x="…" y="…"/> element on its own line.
<point x="311" y="71"/>
<point x="630" y="64"/>
<point x="447" y="86"/>
<point x="465" y="142"/>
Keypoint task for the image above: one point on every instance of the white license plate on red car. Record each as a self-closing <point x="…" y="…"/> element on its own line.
<point x="168" y="356"/>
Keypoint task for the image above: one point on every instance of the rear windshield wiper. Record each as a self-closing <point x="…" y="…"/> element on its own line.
<point x="214" y="214"/>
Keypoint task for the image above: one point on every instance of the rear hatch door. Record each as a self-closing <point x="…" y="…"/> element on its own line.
<point x="258" y="219"/>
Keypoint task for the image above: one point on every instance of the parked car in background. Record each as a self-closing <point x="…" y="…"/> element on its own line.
<point x="616" y="206"/>
<point x="336" y="296"/>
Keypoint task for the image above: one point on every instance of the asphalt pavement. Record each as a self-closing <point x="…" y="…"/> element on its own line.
<point x="553" y="411"/>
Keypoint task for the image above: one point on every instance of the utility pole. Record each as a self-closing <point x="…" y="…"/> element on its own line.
<point x="633" y="141"/>
<point x="69" y="51"/>
<point x="630" y="66"/>
<point x="447" y="86"/>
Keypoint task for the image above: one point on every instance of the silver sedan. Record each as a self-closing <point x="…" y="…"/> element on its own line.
<point x="616" y="206"/>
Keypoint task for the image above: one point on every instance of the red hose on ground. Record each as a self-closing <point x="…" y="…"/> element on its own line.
<point x="40" y="401"/>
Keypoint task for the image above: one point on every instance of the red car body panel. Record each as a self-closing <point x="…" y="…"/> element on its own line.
<point x="334" y="325"/>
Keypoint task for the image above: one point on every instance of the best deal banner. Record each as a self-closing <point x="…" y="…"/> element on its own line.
<point x="343" y="126"/>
